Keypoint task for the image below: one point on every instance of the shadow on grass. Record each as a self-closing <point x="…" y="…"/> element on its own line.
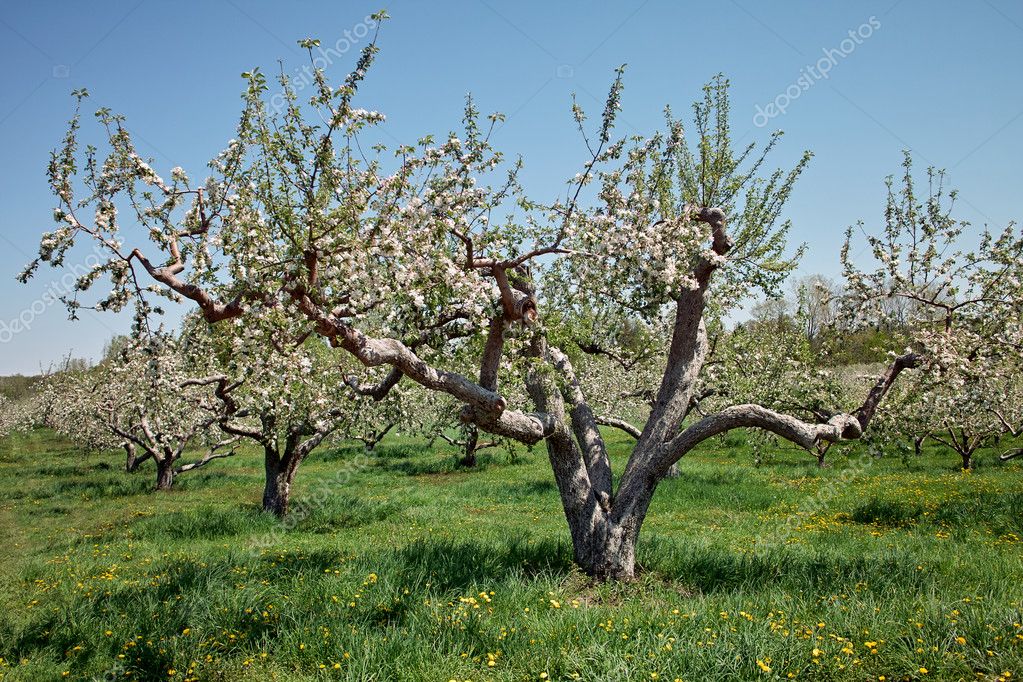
<point x="456" y="565"/>
<point x="110" y="485"/>
<point x="711" y="569"/>
<point x="999" y="512"/>
<point x="339" y="512"/>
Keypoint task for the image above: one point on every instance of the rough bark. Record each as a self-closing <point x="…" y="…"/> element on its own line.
<point x="277" y="486"/>
<point x="472" y="439"/>
<point x="133" y="460"/>
<point x="281" y="460"/>
<point x="164" y="473"/>
<point x="587" y="516"/>
<point x="584" y="427"/>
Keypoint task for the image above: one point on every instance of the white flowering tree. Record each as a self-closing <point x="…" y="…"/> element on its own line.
<point x="10" y="417"/>
<point x="79" y="405"/>
<point x="779" y="368"/>
<point x="140" y="399"/>
<point x="957" y="292"/>
<point x="282" y="390"/>
<point x="401" y="262"/>
<point x="1011" y="414"/>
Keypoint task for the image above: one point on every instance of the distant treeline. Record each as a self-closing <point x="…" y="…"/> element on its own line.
<point x="19" y="386"/>
<point x="813" y="309"/>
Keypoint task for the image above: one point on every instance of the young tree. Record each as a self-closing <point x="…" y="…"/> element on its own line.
<point x="396" y="266"/>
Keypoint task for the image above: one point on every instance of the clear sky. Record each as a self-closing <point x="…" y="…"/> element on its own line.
<point x="940" y="77"/>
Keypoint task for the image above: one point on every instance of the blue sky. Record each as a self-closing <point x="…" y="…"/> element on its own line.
<point x="939" y="77"/>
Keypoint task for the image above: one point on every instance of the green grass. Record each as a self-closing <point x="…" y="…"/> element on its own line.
<point x="398" y="565"/>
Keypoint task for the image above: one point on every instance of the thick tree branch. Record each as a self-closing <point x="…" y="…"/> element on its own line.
<point x="212" y="310"/>
<point x="486" y="408"/>
<point x="866" y="411"/>
<point x="584" y="426"/>
<point x="620" y="424"/>
<point x="809" y="436"/>
<point x="209" y="457"/>
<point x="379" y="390"/>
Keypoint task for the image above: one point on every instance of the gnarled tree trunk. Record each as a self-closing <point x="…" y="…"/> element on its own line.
<point x="164" y="473"/>
<point x="132" y="460"/>
<point x="472" y="439"/>
<point x="280" y="472"/>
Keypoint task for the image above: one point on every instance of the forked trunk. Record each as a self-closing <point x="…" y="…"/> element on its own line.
<point x="604" y="537"/>
<point x="280" y="473"/>
<point x="165" y="474"/>
<point x="967" y="460"/>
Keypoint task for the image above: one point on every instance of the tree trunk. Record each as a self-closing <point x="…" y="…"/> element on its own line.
<point x="820" y="459"/>
<point x="165" y="474"/>
<point x="472" y="438"/>
<point x="131" y="463"/>
<point x="673" y="471"/>
<point x="277" y="489"/>
<point x="617" y="557"/>
<point x="967" y="460"/>
<point x="608" y="553"/>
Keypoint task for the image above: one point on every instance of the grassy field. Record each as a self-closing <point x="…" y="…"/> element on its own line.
<point x="398" y="566"/>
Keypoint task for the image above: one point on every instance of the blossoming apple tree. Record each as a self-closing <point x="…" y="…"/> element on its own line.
<point x="76" y="404"/>
<point x="961" y="294"/>
<point x="280" y="389"/>
<point x="403" y="262"/>
<point x="11" y="416"/>
<point x="139" y="399"/>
